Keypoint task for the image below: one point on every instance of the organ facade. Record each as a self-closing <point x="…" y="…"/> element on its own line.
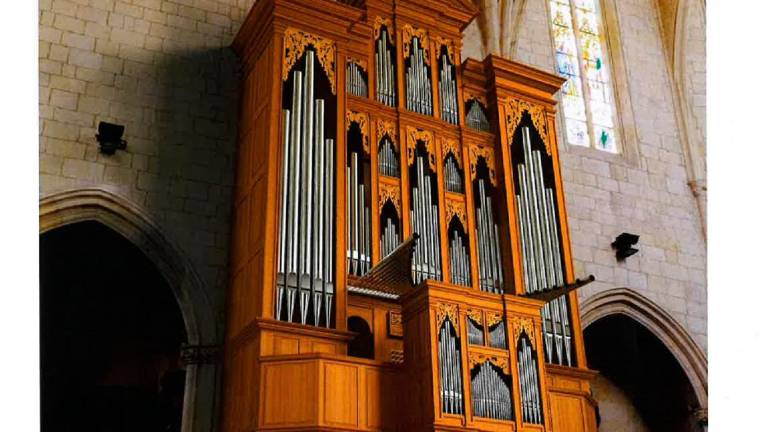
<point x="401" y="255"/>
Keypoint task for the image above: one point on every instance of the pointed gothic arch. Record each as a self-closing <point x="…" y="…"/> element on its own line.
<point x="133" y="223"/>
<point x="674" y="336"/>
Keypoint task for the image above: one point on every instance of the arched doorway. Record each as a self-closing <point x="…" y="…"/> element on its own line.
<point x="201" y="389"/>
<point x="641" y="386"/>
<point x="111" y="334"/>
<point x="362" y="345"/>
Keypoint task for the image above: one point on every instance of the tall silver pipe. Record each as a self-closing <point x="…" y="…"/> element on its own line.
<point x="281" y="268"/>
<point x="329" y="250"/>
<point x="318" y="200"/>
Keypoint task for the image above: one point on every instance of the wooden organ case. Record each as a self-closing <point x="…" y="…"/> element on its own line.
<point x="369" y="155"/>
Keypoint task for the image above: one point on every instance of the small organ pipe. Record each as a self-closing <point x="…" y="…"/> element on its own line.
<point x="476" y="118"/>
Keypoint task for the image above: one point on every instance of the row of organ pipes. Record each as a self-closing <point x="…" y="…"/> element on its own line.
<point x="305" y="245"/>
<point x="390" y="238"/>
<point x="529" y="382"/>
<point x="449" y="360"/>
<point x="459" y="254"/>
<point x="542" y="260"/>
<point x="418" y="94"/>
<point x="453" y="179"/>
<point x="425" y="222"/>
<point x="488" y="247"/>
<point x="475" y="118"/>
<point x="498" y="336"/>
<point x="491" y="393"/>
<point x="356" y="82"/>
<point x="386" y="84"/>
<point x="389" y="164"/>
<point x="358" y="218"/>
<point x="449" y="107"/>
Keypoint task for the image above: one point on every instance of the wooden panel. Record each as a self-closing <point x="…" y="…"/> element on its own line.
<point x="286" y="400"/>
<point x="340" y="395"/>
<point x="568" y="414"/>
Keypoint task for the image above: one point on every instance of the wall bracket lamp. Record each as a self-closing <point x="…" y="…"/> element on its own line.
<point x="110" y="138"/>
<point x="623" y="245"/>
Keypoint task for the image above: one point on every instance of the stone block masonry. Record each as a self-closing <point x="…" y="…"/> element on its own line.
<point x="146" y="64"/>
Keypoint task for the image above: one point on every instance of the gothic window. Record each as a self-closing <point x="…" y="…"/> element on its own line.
<point x="588" y="102"/>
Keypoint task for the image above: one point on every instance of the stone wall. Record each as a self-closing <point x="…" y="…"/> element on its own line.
<point x="165" y="71"/>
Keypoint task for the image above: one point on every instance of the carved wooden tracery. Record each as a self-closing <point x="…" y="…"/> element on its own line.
<point x="458" y="209"/>
<point x="519" y="325"/>
<point x="514" y="110"/>
<point x="450" y="311"/>
<point x="476" y="358"/>
<point x="389" y="128"/>
<point x="408" y="34"/>
<point x="469" y="95"/>
<point x="493" y="318"/>
<point x="449" y="44"/>
<point x="386" y="22"/>
<point x="295" y="43"/>
<point x="362" y="121"/>
<point x="363" y="64"/>
<point x="392" y="193"/>
<point x="413" y="136"/>
<point x="476" y="151"/>
<point x="450" y="145"/>
<point x="476" y="316"/>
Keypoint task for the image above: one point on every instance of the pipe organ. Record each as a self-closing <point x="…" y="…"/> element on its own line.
<point x="382" y="180"/>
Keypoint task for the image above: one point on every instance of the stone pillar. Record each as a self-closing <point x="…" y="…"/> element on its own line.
<point x="201" y="391"/>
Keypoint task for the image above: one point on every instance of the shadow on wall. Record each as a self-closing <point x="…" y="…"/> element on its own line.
<point x="191" y="143"/>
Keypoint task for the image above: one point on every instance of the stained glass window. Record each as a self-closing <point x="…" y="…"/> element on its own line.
<point x="587" y="104"/>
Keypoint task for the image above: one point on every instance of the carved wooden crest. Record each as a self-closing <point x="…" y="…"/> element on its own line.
<point x="450" y="145"/>
<point x="469" y="95"/>
<point x="295" y="43"/>
<point x="449" y="311"/>
<point x="449" y="44"/>
<point x="514" y="109"/>
<point x="413" y="136"/>
<point x="383" y="128"/>
<point x="386" y="22"/>
<point x="395" y="323"/>
<point x="408" y="34"/>
<point x="519" y="325"/>
<point x="476" y="358"/>
<point x="493" y="318"/>
<point x="458" y="209"/>
<point x="363" y="64"/>
<point x="476" y="316"/>
<point x="476" y="151"/>
<point x="362" y="121"/>
<point x="392" y="193"/>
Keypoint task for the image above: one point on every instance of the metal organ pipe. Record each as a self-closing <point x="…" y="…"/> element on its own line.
<point x="385" y="73"/>
<point x="542" y="259"/>
<point x="476" y="118"/>
<point x="390" y="238"/>
<point x="388" y="160"/>
<point x="529" y="383"/>
<point x="489" y="252"/>
<point x="305" y="258"/>
<point x="426" y="259"/>
<point x="491" y="395"/>
<point x="418" y="81"/>
<point x="449" y="359"/>
<point x="459" y="254"/>
<point x="356" y="82"/>
<point x="358" y="219"/>
<point x="448" y="105"/>
<point x="453" y="181"/>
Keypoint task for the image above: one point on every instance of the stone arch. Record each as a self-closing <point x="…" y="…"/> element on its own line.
<point x="133" y="223"/>
<point x="677" y="340"/>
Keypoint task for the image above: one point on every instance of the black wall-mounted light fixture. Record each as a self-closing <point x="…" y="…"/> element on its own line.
<point x="623" y="245"/>
<point x="110" y="138"/>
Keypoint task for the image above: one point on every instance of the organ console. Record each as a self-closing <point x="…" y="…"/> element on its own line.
<point x="420" y="196"/>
